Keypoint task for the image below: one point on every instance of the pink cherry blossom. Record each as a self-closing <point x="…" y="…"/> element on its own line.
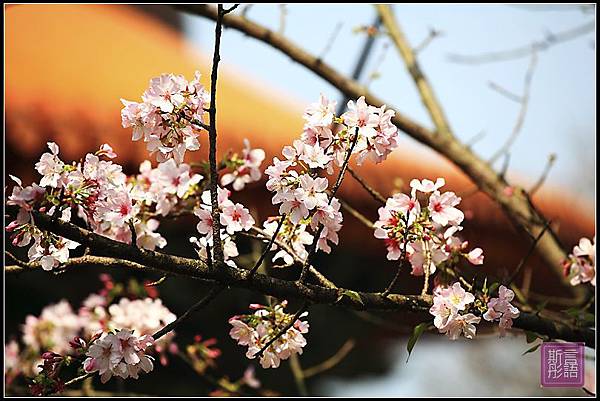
<point x="236" y="218"/>
<point x="442" y="210"/>
<point x="321" y="113"/>
<point x="476" y="256"/>
<point x="426" y="186"/>
<point x="500" y="309"/>
<point x="249" y="169"/>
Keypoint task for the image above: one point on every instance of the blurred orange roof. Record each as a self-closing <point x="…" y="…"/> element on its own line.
<point x="67" y="66"/>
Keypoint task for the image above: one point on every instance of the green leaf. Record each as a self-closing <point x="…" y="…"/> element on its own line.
<point x="352" y="295"/>
<point x="532" y="349"/>
<point x="493" y="287"/>
<point x="417" y="331"/>
<point x="541" y="306"/>
<point x="531" y="336"/>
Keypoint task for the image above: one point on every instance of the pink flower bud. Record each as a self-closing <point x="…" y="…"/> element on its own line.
<point x="12" y="226"/>
<point x="173" y="348"/>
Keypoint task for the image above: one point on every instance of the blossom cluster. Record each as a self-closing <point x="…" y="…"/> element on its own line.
<point x="170" y="116"/>
<point x="244" y="169"/>
<point x="326" y="141"/>
<point x="121" y="354"/>
<point x="256" y="330"/>
<point x="424" y="233"/>
<point x="450" y="311"/>
<point x="233" y="218"/>
<point x="501" y="310"/>
<point x="60" y="329"/>
<point x="580" y="267"/>
<point x="108" y="201"/>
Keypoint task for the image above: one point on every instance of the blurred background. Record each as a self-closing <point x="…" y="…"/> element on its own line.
<point x="67" y="66"/>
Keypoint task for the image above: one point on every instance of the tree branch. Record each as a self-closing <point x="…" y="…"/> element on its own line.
<point x="523" y="51"/>
<point x="227" y="276"/>
<point x="410" y="59"/>
<point x="197" y="306"/>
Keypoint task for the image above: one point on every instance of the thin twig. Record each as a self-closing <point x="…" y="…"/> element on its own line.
<point x="133" y="233"/>
<point x="403" y="260"/>
<point x="431" y="35"/>
<point x="336" y="186"/>
<point x="212" y="136"/>
<point x="524" y="51"/>
<point x="529" y="253"/>
<point x="298" y="375"/>
<point x="505" y="92"/>
<point x="77" y="379"/>
<point x="283" y="331"/>
<point x="332" y="361"/>
<point x="186" y="315"/>
<point x="358" y="215"/>
<point x="282" y="15"/>
<point x="376" y="195"/>
<point x="267" y="248"/>
<point x="522" y="112"/>
<point x="322" y="280"/>
<point x="542" y="179"/>
<point x="331" y="40"/>
<point x="375" y="72"/>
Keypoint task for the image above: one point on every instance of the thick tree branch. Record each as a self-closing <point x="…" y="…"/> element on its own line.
<point x="517" y="207"/>
<point x="132" y="257"/>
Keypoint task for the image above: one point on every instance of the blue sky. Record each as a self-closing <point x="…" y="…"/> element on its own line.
<point x="561" y="117"/>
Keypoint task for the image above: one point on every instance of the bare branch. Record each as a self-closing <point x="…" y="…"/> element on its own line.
<point x="186" y="315"/>
<point x="267" y="248"/>
<point x="512" y="277"/>
<point x="408" y="55"/>
<point x="550" y="40"/>
<point x="542" y="179"/>
<point x="332" y="361"/>
<point x="431" y="35"/>
<point x="522" y="112"/>
<point x="376" y="195"/>
<point x="331" y="40"/>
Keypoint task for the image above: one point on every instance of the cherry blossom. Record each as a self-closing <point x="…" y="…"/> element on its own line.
<point x="500" y="309"/>
<point x="426" y="186"/>
<point x="450" y="311"/>
<point x="245" y="169"/>
<point x="321" y="113"/>
<point x="476" y="256"/>
<point x="425" y="235"/>
<point x="236" y="218"/>
<point x="50" y="167"/>
<point x="580" y="267"/>
<point x="170" y="117"/>
<point x="442" y="210"/>
<point x="265" y="324"/>
<point x="119" y="354"/>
